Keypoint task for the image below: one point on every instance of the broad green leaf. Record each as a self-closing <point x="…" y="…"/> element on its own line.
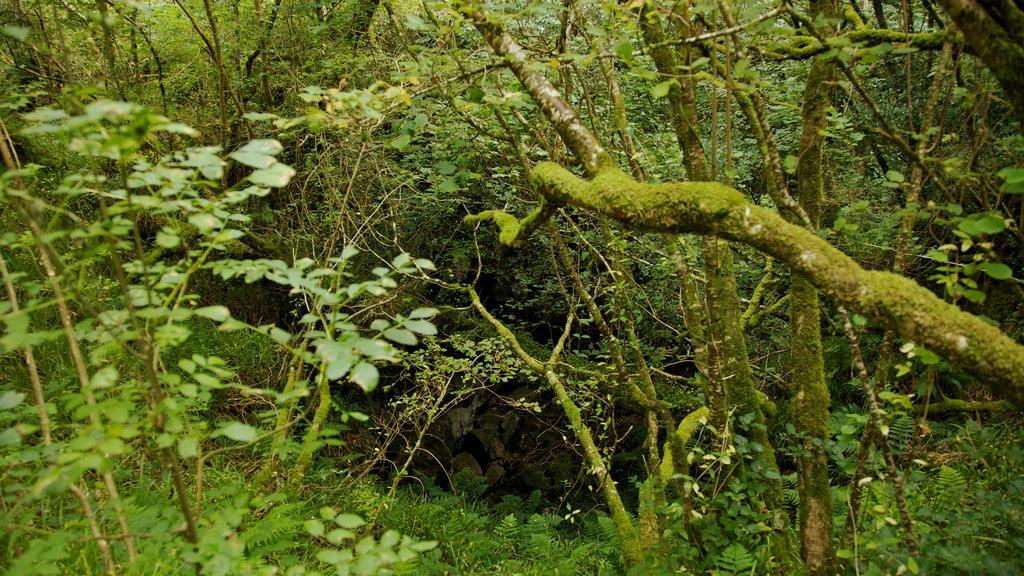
<point x="45" y="115"/>
<point x="215" y="313"/>
<point x="253" y="159"/>
<point x="11" y="399"/>
<point x="423" y="313"/>
<point x="991" y="223"/>
<point x="103" y="378"/>
<point x="365" y="375"/>
<point x="445" y="168"/>
<point x="188" y="447"/>
<point x="260" y="116"/>
<point x="997" y="270"/>
<point x="167" y="238"/>
<point x="350" y="521"/>
<point x="239" y="431"/>
<point x="624" y="50"/>
<point x="421" y="327"/>
<point x="790" y="163"/>
<point x="938" y="255"/>
<point x="400" y="336"/>
<point x="265" y="146"/>
<point x="661" y="90"/>
<point x="1014" y="181"/>
<point x="19" y="33"/>
<point x="277" y="176"/>
<point x="448" y="186"/>
<point x="314" y="527"/>
<point x="339" y="535"/>
<point x="205" y="222"/>
<point x="401" y="142"/>
<point x="414" y="22"/>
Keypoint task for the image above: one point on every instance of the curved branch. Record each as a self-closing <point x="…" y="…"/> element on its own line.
<point x="891" y="301"/>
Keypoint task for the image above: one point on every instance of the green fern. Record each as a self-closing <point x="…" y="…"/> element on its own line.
<point x="951" y="485"/>
<point x="510" y="504"/>
<point x="901" y="433"/>
<point x="736" y="559"/>
<point x="790" y="492"/>
<point x="507" y="530"/>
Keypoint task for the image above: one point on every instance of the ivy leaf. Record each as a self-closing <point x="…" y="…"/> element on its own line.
<point x="239" y="432"/>
<point x="366" y="376"/>
<point x="276" y="176"/>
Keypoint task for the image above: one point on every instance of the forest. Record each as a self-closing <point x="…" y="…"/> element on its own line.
<point x="534" y="287"/>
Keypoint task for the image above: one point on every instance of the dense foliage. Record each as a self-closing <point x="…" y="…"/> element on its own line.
<point x="585" y="287"/>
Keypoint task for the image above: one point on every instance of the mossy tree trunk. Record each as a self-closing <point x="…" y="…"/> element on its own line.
<point x="810" y="392"/>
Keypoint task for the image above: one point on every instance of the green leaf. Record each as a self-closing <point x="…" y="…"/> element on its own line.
<point x="624" y="50"/>
<point x="938" y="255"/>
<point x="421" y="327"/>
<point x="253" y="159"/>
<point x="789" y="164"/>
<point x="365" y="375"/>
<point x="423" y="313"/>
<point x="445" y="168"/>
<point x="912" y="566"/>
<point x="996" y="270"/>
<point x="448" y="186"/>
<point x="11" y="399"/>
<point x="314" y="528"/>
<point x="19" y="33"/>
<point x="188" y="447"/>
<point x="277" y="176"/>
<point x="206" y="222"/>
<point x="350" y="521"/>
<point x="991" y="223"/>
<point x="414" y="22"/>
<point x="260" y="116"/>
<point x="1014" y="181"/>
<point x="167" y="238"/>
<point x="661" y="90"/>
<point x="239" y="432"/>
<point x="215" y="313"/>
<point x="265" y="146"/>
<point x="401" y="142"/>
<point x="400" y="336"/>
<point x="103" y="378"/>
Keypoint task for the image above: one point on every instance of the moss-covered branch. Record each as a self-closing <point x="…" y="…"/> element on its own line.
<point x="962" y="406"/>
<point x="804" y="47"/>
<point x="512" y="231"/>
<point x="891" y="301"/>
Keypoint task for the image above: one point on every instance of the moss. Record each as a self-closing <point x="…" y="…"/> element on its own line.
<point x="508" y="225"/>
<point x="684" y="432"/>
